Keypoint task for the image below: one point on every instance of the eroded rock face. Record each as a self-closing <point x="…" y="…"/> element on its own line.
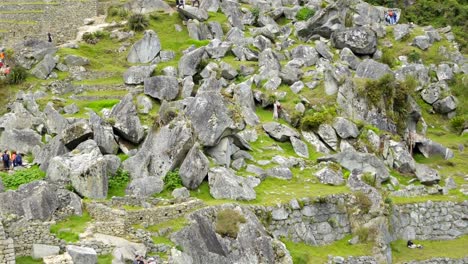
<point x="224" y="184"/>
<point x="371" y="69"/>
<point x="103" y="134"/>
<point x="279" y="132"/>
<point x="137" y="74"/>
<point x="360" y="40"/>
<point x="76" y="133"/>
<point x="162" y="87"/>
<point x="146" y="49"/>
<point x="252" y="244"/>
<point x="194" y="168"/>
<point x="126" y="121"/>
<point x="324" y="22"/>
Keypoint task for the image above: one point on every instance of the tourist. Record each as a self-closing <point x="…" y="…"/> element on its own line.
<point x="151" y="260"/>
<point x="276" y="110"/>
<point x="410" y="244"/>
<point x="394" y="17"/>
<point x="6" y="71"/>
<point x="2" y="56"/>
<point x="49" y="36"/>
<point x="18" y="160"/>
<point x="6" y="160"/>
<point x="390" y="16"/>
<point x="13" y="160"/>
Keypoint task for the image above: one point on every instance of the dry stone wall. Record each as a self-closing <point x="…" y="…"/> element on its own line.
<point x="313" y="222"/>
<point x="61" y="18"/>
<point x="431" y="220"/>
<point x="7" y="249"/>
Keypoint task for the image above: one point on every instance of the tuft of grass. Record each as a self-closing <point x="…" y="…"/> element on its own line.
<point x="70" y="228"/>
<point x="304" y="14"/>
<point x="306" y="254"/>
<point x="455" y="248"/>
<point x="227" y="222"/>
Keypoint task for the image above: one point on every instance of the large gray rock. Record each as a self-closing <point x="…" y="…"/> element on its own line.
<point x="40" y="250"/>
<point x="330" y="176"/>
<point x="194" y="168"/>
<point x="148" y="6"/>
<point x="348" y="56"/>
<point x="224" y="184"/>
<point x="279" y="132"/>
<point x="280" y="173"/>
<point x="162" y="87"/>
<point x="188" y="64"/>
<point x="268" y="61"/>
<point x="323" y="50"/>
<point x="53" y="148"/>
<point x="55" y="122"/>
<point x="32" y="51"/>
<point x="210" y="117"/>
<point x="426" y="175"/>
<point x="244" y="96"/>
<point x="76" y="133"/>
<point x="345" y="128"/>
<point x="402" y="159"/>
<point x="371" y="69"/>
<point x="444" y="72"/>
<point x="363" y="162"/>
<point x="45" y="67"/>
<point x="146" y="49"/>
<point x="126" y="121"/>
<point x="21" y="140"/>
<point x="34" y="201"/>
<point x="422" y="42"/>
<point x="162" y="151"/>
<point x="191" y="12"/>
<point x="430" y="148"/>
<point x="300" y="147"/>
<point x="85" y="168"/>
<point x="328" y="135"/>
<point x="103" y="134"/>
<point x="400" y="31"/>
<point x="233" y="12"/>
<point x="251" y="244"/>
<point x="361" y="40"/>
<point x="315" y="141"/>
<point x="73" y="60"/>
<point x="221" y="153"/>
<point x="307" y="54"/>
<point x="82" y="255"/>
<point x="217" y="49"/>
<point x="446" y="105"/>
<point x="432" y="93"/>
<point x="324" y="22"/>
<point x="137" y="74"/>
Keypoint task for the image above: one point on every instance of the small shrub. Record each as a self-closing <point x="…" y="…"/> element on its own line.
<point x="304" y="14"/>
<point x="363" y="202"/>
<point x="227" y="222"/>
<point x="14" y="180"/>
<point x="118" y="183"/>
<point x="89" y="38"/>
<point x="312" y="120"/>
<point x="388" y="200"/>
<point x="255" y="12"/>
<point x="369" y="179"/>
<point x="172" y="180"/>
<point x="17" y="75"/>
<point x="458" y="123"/>
<point x="138" y="22"/>
<point x="117" y="12"/>
<point x="414" y="56"/>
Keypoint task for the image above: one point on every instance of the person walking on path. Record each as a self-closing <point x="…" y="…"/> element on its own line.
<point x="49" y="36"/>
<point x="6" y="160"/>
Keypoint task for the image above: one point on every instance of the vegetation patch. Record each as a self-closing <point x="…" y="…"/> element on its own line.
<point x="227" y="222"/>
<point x="304" y="14"/>
<point x="19" y="177"/>
<point x="118" y="183"/>
<point x="70" y="228"/>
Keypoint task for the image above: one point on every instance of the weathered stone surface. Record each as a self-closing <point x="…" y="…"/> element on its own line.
<point x="371" y="69"/>
<point x="103" y="134"/>
<point x="348" y="56"/>
<point x="45" y="67"/>
<point x="217" y="49"/>
<point x="41" y="250"/>
<point x="54" y="147"/>
<point x="194" y="168"/>
<point x="280" y="173"/>
<point x="73" y="60"/>
<point x="402" y="159"/>
<point x="32" y="51"/>
<point x="328" y="135"/>
<point x="300" y="147"/>
<point x="210" y="117"/>
<point x="180" y="193"/>
<point x="422" y="42"/>
<point x="279" y="132"/>
<point x="148" y="6"/>
<point x="324" y="22"/>
<point x="426" y="175"/>
<point x="35" y="200"/>
<point x="55" y="122"/>
<point x="21" y="140"/>
<point x="252" y="244"/>
<point x="191" y="12"/>
<point x="221" y="153"/>
<point x="188" y="64"/>
<point x="82" y="255"/>
<point x="161" y="152"/>
<point x="76" y="133"/>
<point x="224" y="184"/>
<point x="400" y="31"/>
<point x="85" y="168"/>
<point x="360" y="40"/>
<point x="127" y="124"/>
<point x="444" y="72"/>
<point x="162" y="87"/>
<point x="137" y="74"/>
<point x="430" y="148"/>
<point x="146" y="49"/>
<point x="323" y="50"/>
<point x="330" y="176"/>
<point x="71" y="109"/>
<point x="345" y="128"/>
<point x="432" y="93"/>
<point x="307" y="54"/>
<point x="363" y="162"/>
<point x="446" y="105"/>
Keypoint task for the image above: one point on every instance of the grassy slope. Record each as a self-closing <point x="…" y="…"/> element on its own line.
<point x="70" y="228"/>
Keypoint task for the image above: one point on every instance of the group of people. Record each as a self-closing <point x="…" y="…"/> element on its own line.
<point x="11" y="160"/>
<point x="4" y="68"/>
<point x="142" y="260"/>
<point x="391" y="17"/>
<point x="181" y="3"/>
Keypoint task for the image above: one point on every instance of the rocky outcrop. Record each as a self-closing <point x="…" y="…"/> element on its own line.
<point x="279" y="132"/>
<point x="371" y="69"/>
<point x="162" y="87"/>
<point x="137" y="74"/>
<point x="224" y="184"/>
<point x="194" y="168"/>
<point x="146" y="49"/>
<point x="324" y="22"/>
<point x="125" y="121"/>
<point x="361" y="40"/>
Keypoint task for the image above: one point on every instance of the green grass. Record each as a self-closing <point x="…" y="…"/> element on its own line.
<point x="162" y="240"/>
<point x="28" y="260"/>
<point x="105" y="259"/>
<point x="70" y="228"/>
<point x="448" y="248"/>
<point x="305" y="254"/>
<point x="175" y="224"/>
<point x="19" y="177"/>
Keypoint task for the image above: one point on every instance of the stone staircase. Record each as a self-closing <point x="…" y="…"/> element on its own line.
<point x="21" y="19"/>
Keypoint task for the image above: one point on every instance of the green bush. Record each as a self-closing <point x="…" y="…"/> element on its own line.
<point x="458" y="123"/>
<point x="414" y="56"/>
<point x="89" y="38"/>
<point x="14" y="180"/>
<point x="117" y="12"/>
<point x="369" y="178"/>
<point x="255" y="12"/>
<point x="118" y="183"/>
<point x="227" y="223"/>
<point x="172" y="180"/>
<point x="363" y="202"/>
<point x="313" y="119"/>
<point x="17" y="75"/>
<point x="304" y="14"/>
<point x="138" y="22"/>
